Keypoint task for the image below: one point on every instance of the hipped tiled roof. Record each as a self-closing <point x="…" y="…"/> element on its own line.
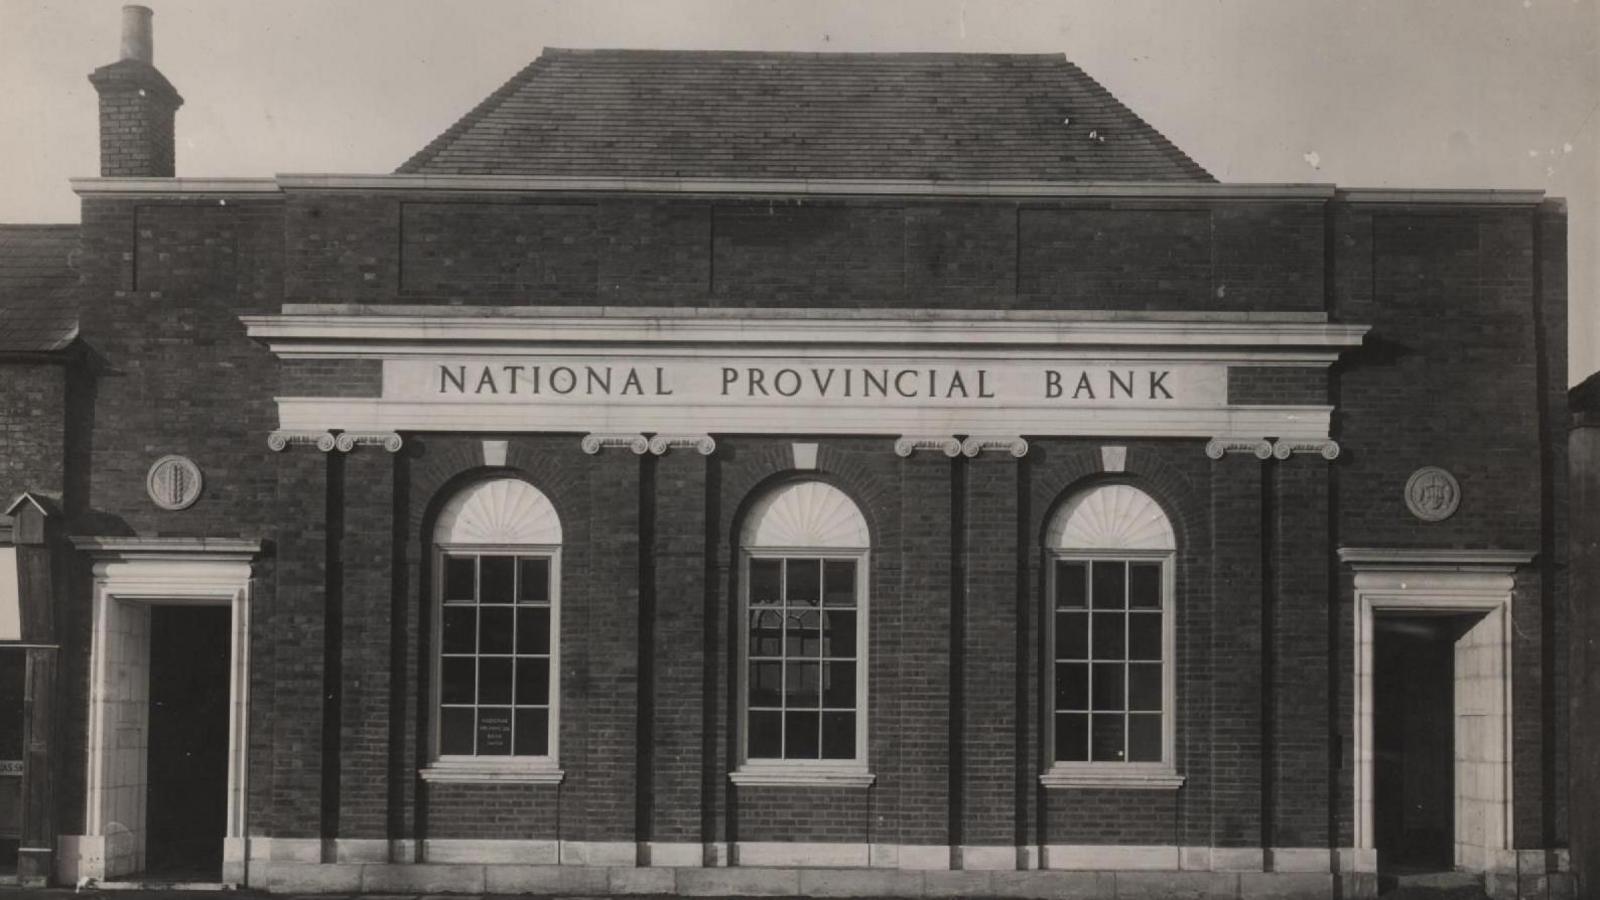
<point x="919" y="116"/>
<point x="38" y="287"/>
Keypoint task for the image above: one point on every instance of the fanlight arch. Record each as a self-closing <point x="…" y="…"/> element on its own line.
<point x="806" y="514"/>
<point x="1111" y="517"/>
<point x="499" y="511"/>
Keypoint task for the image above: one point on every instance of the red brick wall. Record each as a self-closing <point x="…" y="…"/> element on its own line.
<point x="1462" y="369"/>
<point x="33" y="421"/>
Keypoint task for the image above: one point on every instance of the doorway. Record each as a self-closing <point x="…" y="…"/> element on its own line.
<point x="1413" y="741"/>
<point x="1432" y="716"/>
<point x="187" y="757"/>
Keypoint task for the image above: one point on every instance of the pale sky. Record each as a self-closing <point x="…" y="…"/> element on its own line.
<point x="1359" y="93"/>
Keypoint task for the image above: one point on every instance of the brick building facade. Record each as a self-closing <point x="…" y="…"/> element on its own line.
<point x="789" y="473"/>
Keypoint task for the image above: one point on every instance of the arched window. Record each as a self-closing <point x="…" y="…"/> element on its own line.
<point x="1110" y="554"/>
<point x="803" y="644"/>
<point x="497" y="623"/>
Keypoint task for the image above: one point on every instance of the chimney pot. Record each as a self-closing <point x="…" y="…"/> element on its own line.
<point x="138" y="41"/>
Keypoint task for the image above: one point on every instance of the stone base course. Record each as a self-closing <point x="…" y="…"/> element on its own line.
<point x="381" y="878"/>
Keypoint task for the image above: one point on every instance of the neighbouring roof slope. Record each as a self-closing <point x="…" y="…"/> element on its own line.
<point x="758" y="115"/>
<point x="38" y="287"/>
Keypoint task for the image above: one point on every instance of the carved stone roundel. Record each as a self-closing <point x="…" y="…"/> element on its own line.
<point x="174" y="482"/>
<point x="1432" y="494"/>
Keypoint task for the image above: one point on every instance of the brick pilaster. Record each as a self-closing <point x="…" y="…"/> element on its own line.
<point x="296" y="628"/>
<point x="367" y="569"/>
<point x="677" y="680"/>
<point x="1236" y="651"/>
<point x="990" y="804"/>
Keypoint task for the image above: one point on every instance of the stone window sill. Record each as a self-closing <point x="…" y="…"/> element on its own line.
<point x="478" y="771"/>
<point x="1112" y="775"/>
<point x="802" y="774"/>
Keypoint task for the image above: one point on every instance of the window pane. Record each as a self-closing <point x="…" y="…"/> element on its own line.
<point x="494" y="629"/>
<point x="494" y="680"/>
<point x="805" y="582"/>
<point x="1072" y="686"/>
<point x="1144" y="738"/>
<point x="1144" y="686"/>
<point x="1107" y="692"/>
<point x="1144" y="585"/>
<point x="1071" y="584"/>
<point x="460" y="629"/>
<point x="1108" y="636"/>
<point x="1144" y="635"/>
<point x="765" y="581"/>
<point x="533" y="682"/>
<point x="456" y="679"/>
<point x="494" y="579"/>
<point x="1110" y="584"/>
<point x="494" y="732"/>
<point x="533" y="630"/>
<point x="766" y="735"/>
<point x="766" y="633"/>
<point x="533" y="732"/>
<point x="800" y="739"/>
<point x="1105" y="741"/>
<point x="838" y="735"/>
<point x="839" y="582"/>
<point x="804" y="635"/>
<point x="1072" y="737"/>
<point x="839" y="690"/>
<point x="533" y="583"/>
<point x="455" y="732"/>
<point x="1072" y="635"/>
<point x="839" y="633"/>
<point x="766" y="684"/>
<point x="460" y="575"/>
<point x="804" y="685"/>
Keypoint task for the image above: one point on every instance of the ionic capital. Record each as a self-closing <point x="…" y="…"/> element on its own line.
<point x="1011" y="444"/>
<point x="1328" y="449"/>
<point x="704" y="443"/>
<point x="349" y="440"/>
<point x="280" y="440"/>
<point x="905" y="445"/>
<point x="1260" y="448"/>
<point x="594" y="443"/>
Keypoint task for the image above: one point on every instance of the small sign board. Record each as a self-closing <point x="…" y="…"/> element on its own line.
<point x="11" y="767"/>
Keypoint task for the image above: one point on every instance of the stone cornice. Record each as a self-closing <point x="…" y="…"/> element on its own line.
<point x="217" y="549"/>
<point x="366" y="334"/>
<point x="1413" y="558"/>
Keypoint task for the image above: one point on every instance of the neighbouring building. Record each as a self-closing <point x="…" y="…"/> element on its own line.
<point x="709" y="472"/>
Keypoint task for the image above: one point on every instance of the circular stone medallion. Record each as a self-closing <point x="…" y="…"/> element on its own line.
<point x="1432" y="494"/>
<point x="174" y="482"/>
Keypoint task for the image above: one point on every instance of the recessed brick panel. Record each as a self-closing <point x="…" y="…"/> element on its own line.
<point x="531" y="253"/>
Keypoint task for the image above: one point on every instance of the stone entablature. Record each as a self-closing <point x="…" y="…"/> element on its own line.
<point x="707" y="371"/>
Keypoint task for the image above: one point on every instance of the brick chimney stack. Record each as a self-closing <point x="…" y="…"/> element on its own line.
<point x="137" y="105"/>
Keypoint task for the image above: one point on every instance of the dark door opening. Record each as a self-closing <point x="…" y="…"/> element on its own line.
<point x="1413" y="699"/>
<point x="187" y="802"/>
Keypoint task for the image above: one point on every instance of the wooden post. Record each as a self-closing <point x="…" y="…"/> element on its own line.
<point x="36" y="851"/>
